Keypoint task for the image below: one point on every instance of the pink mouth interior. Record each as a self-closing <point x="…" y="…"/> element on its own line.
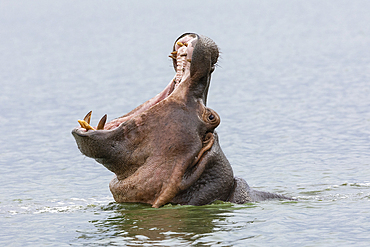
<point x="183" y="58"/>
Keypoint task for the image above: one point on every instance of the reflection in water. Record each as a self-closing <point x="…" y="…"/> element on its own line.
<point x="132" y="223"/>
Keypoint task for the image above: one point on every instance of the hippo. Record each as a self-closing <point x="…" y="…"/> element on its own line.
<point x="167" y="150"/>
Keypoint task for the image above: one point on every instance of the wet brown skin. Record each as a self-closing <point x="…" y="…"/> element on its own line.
<point x="166" y="150"/>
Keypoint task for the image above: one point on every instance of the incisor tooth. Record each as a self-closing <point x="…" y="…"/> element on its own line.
<point x="88" y="117"/>
<point x="186" y="44"/>
<point x="102" y="122"/>
<point x="174" y="52"/>
<point x="171" y="57"/>
<point x="85" y="125"/>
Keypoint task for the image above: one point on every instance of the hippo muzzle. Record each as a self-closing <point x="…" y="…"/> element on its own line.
<point x="166" y="150"/>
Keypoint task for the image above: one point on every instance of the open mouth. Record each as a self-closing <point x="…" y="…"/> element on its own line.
<point x="181" y="56"/>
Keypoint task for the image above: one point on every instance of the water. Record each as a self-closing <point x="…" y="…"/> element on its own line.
<point x="292" y="89"/>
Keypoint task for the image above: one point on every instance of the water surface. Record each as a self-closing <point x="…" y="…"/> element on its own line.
<point x="292" y="89"/>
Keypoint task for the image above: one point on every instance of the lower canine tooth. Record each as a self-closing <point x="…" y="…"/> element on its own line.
<point x="102" y="122"/>
<point x="85" y="125"/>
<point x="179" y="43"/>
<point x="88" y="117"/>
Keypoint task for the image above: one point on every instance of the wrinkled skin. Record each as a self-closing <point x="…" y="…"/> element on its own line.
<point x="166" y="150"/>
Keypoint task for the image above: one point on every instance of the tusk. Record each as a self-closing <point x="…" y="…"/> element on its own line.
<point x="102" y="122"/>
<point x="179" y="43"/>
<point x="88" y="117"/>
<point x="85" y="125"/>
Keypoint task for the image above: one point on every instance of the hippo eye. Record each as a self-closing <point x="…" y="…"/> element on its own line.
<point x="211" y="118"/>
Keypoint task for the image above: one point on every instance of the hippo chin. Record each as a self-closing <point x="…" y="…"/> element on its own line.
<point x="167" y="150"/>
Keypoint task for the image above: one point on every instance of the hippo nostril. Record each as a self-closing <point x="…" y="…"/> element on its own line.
<point x="211" y="117"/>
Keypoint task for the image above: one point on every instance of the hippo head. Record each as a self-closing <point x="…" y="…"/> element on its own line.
<point x="163" y="147"/>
